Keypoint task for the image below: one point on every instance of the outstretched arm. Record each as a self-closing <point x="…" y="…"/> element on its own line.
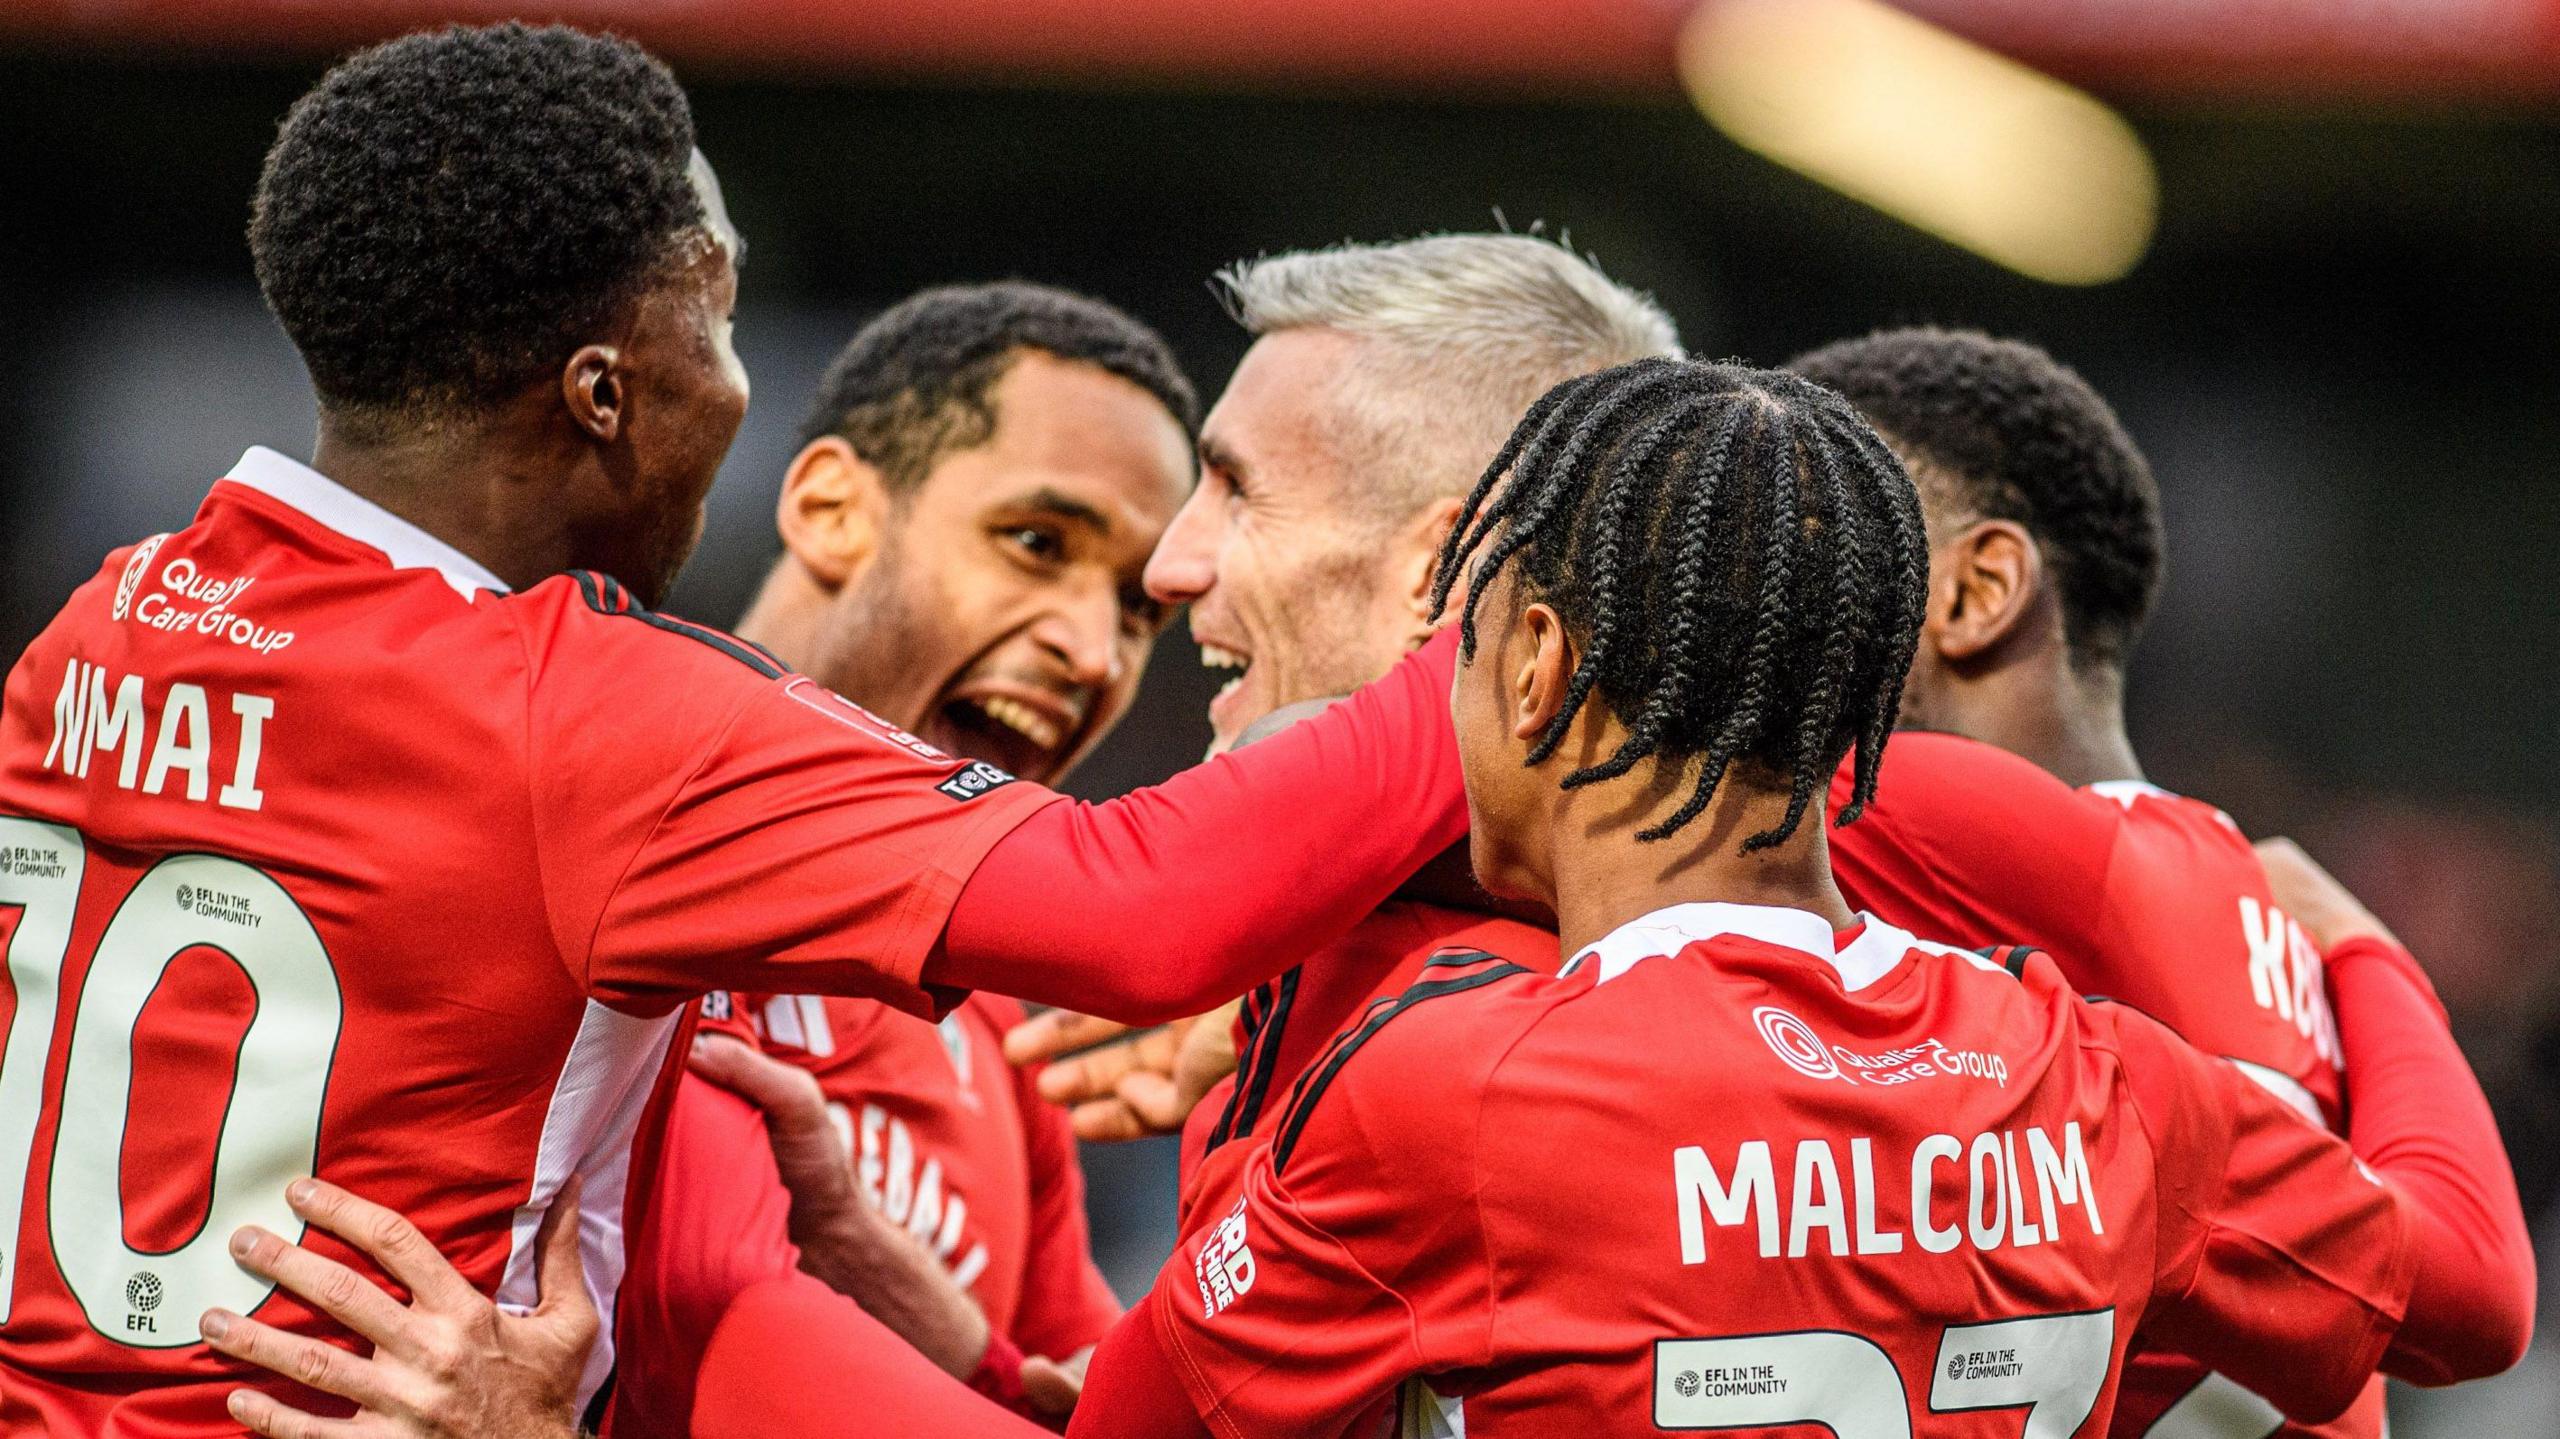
<point x="1172" y="900"/>
<point x="2416" y="1116"/>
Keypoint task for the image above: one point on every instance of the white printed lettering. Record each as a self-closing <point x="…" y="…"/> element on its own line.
<point x="1754" y="1188"/>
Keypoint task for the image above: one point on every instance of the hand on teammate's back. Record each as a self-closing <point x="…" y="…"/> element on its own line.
<point x="449" y="1365"/>
<point x="2325" y="909"/>
<point x="1118" y="1085"/>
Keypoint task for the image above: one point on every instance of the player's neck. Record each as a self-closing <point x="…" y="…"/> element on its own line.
<point x="1605" y="877"/>
<point x="463" y="487"/>
<point x="2066" y="720"/>
<point x="788" y="617"/>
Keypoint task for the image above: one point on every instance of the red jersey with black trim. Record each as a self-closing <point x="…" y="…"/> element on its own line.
<point x="1727" y="1172"/>
<point x="2140" y="895"/>
<point x="1285" y="1023"/>
<point x="957" y="1146"/>
<point x="323" y="853"/>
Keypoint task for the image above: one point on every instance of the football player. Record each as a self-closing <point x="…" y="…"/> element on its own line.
<point x="373" y="824"/>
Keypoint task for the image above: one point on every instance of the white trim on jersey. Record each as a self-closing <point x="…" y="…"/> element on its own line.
<point x="281" y="477"/>
<point x="800" y="1021"/>
<point x="2126" y="791"/>
<point x="2217" y="1408"/>
<point x="604" y="1085"/>
<point x="1860" y="963"/>
<point x="2283" y="1086"/>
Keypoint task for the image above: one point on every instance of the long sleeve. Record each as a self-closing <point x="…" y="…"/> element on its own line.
<point x="792" y="1356"/>
<point x="2416" y="1116"/>
<point x="1066" y="1303"/>
<point x="1131" y="1390"/>
<point x="1170" y="900"/>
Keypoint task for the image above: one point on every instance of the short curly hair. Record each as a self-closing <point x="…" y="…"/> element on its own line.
<point x="447" y="215"/>
<point x="2007" y="432"/>
<point x="913" y="385"/>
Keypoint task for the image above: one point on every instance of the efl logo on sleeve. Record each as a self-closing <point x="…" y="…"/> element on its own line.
<point x="979" y="778"/>
<point x="1225" y="1267"/>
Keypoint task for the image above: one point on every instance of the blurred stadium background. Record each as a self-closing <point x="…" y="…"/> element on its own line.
<point x="2305" y="245"/>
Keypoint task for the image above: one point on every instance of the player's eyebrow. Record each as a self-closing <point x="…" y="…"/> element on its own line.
<point x="1066" y="507"/>
<point x="1215" y="456"/>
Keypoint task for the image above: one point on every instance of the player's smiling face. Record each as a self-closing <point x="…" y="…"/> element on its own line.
<point x="1288" y="589"/>
<point x="1003" y="615"/>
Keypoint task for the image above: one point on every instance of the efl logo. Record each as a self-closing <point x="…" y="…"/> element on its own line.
<point x="977" y="779"/>
<point x="133" y="569"/>
<point x="1793" y="1040"/>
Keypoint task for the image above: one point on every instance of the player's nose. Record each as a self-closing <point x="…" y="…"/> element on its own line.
<point x="1083" y="639"/>
<point x="1185" y="563"/>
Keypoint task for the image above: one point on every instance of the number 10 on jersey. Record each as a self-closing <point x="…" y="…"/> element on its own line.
<point x="271" y="1123"/>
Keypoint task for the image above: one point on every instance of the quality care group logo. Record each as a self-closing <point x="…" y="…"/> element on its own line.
<point x="1793" y="1040"/>
<point x="1802" y="1050"/>
<point x="133" y="570"/>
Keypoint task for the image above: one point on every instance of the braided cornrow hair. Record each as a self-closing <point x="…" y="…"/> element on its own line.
<point x="1738" y="558"/>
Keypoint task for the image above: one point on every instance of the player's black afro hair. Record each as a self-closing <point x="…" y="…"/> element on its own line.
<point x="2009" y="433"/>
<point x="448" y="215"/>
<point x="913" y="385"/>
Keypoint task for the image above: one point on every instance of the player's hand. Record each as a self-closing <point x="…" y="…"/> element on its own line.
<point x="2326" y="909"/>
<point x="448" y="1365"/>
<point x="808" y="1149"/>
<point x="1054" y="1385"/>
<point x="846" y="1243"/>
<point x="1120" y="1085"/>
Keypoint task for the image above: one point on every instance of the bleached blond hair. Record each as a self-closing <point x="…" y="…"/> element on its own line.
<point x="1462" y="333"/>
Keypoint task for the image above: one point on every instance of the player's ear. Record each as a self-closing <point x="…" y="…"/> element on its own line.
<point x="1545" y="671"/>
<point x="1414" y="556"/>
<point x="593" y="386"/>
<point x="833" y="509"/>
<point x="1982" y="588"/>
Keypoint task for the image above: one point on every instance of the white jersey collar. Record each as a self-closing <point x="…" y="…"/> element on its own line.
<point x="335" y="507"/>
<point x="1863" y="961"/>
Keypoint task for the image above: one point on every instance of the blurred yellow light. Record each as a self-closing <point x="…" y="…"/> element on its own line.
<point x="1929" y="128"/>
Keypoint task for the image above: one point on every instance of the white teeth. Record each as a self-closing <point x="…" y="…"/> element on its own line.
<point x="1022" y="719"/>
<point x="1230" y="687"/>
<point x="1219" y="658"/>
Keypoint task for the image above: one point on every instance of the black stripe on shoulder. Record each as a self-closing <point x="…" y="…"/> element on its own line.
<point x="2011" y="957"/>
<point x="1311" y="1089"/>
<point x="1266" y="1058"/>
<point x="1257" y="1002"/>
<point x="606" y="596"/>
<point x="1460" y="958"/>
<point x="730" y="645"/>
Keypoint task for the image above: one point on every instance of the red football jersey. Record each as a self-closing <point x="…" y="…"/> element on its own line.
<point x="1287" y="1022"/>
<point x="2140" y="895"/>
<point x="328" y="855"/>
<point x="1726" y="1174"/>
<point x="958" y="1147"/>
